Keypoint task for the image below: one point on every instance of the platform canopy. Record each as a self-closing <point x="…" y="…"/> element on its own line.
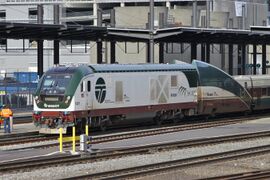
<point x="11" y="30"/>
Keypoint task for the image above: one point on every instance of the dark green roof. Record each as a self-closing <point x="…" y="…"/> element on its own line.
<point x="102" y="68"/>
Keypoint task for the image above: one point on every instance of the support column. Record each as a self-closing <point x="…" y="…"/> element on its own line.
<point x="99" y="52"/>
<point x="243" y="65"/>
<point x="222" y="54"/>
<point x="239" y="57"/>
<point x="203" y="52"/>
<point x="40" y="42"/>
<point x="207" y="14"/>
<point x="194" y="13"/>
<point x="230" y="59"/>
<point x="193" y="51"/>
<point x="254" y="58"/>
<point x="263" y="58"/>
<point x="112" y="52"/>
<point x="208" y="53"/>
<point x="56" y="20"/>
<point x="151" y="28"/>
<point x="95" y="10"/>
<point x="99" y="18"/>
<point x="112" y="17"/>
<point x="161" y="52"/>
<point x="168" y="4"/>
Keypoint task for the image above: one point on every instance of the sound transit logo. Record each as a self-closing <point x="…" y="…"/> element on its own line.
<point x="100" y="90"/>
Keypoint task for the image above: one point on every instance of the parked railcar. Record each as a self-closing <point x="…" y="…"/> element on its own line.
<point x="258" y="87"/>
<point x="103" y="95"/>
<point x="218" y="92"/>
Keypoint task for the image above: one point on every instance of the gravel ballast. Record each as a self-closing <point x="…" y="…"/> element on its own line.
<point x="66" y="171"/>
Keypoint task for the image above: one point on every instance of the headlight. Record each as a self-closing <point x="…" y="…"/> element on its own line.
<point x="67" y="99"/>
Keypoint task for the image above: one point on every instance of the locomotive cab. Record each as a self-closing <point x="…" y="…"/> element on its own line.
<point x="54" y="102"/>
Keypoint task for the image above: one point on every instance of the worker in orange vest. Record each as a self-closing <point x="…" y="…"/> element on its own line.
<point x="6" y="113"/>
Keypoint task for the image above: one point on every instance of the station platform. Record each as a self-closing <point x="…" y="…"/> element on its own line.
<point x="20" y="128"/>
<point x="259" y="125"/>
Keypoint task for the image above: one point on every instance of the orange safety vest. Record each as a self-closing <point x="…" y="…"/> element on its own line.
<point x="6" y="113"/>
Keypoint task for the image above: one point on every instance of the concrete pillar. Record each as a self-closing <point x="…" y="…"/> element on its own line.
<point x="230" y="56"/>
<point x="56" y="20"/>
<point x="254" y="58"/>
<point x="161" y="20"/>
<point x="112" y="13"/>
<point x="207" y="13"/>
<point x="243" y="16"/>
<point x="40" y="42"/>
<point x="263" y="58"/>
<point x="99" y="18"/>
<point x="194" y="13"/>
<point x="95" y="10"/>
<point x="168" y="4"/>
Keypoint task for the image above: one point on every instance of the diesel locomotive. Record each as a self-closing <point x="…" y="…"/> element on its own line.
<point x="107" y="94"/>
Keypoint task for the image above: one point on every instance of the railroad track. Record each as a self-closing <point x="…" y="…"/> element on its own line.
<point x="253" y="175"/>
<point x="64" y="159"/>
<point x="27" y="137"/>
<point x="164" y="167"/>
<point x="124" y="135"/>
<point x="20" y="139"/>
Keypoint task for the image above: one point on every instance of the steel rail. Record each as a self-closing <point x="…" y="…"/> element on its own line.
<point x="251" y="175"/>
<point x="163" y="167"/>
<point x="28" y="164"/>
<point x="133" y="134"/>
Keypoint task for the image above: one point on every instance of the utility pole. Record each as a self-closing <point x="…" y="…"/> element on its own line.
<point x="151" y="32"/>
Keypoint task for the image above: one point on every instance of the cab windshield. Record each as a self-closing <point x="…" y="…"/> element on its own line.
<point x="55" y="83"/>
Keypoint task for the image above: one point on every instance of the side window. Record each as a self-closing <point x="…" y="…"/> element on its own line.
<point x="119" y="91"/>
<point x="88" y="86"/>
<point x="81" y="86"/>
<point x="173" y="81"/>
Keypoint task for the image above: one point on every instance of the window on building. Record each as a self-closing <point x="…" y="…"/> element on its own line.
<point x="2" y="14"/>
<point x="32" y="13"/>
<point x="3" y="42"/>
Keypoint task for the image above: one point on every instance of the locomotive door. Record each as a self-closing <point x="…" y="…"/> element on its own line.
<point x="88" y="95"/>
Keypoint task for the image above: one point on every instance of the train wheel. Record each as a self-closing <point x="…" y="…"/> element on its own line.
<point x="158" y="121"/>
<point x="103" y="126"/>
